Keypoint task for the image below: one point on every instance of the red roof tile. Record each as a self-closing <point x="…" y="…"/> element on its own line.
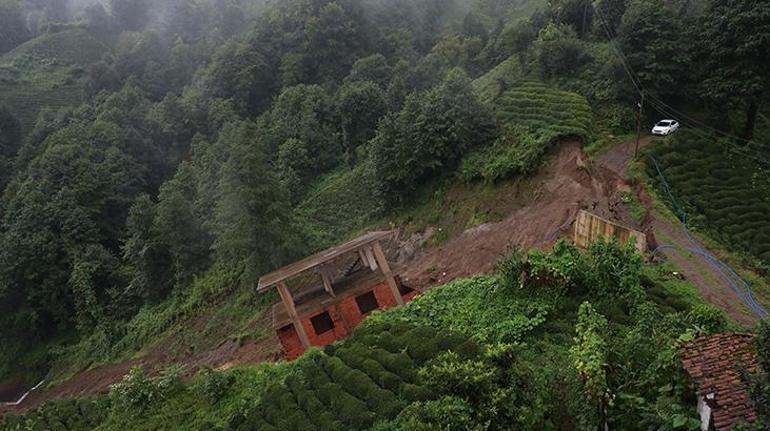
<point x="716" y="363"/>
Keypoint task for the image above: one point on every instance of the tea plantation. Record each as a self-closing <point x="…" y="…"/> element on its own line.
<point x="533" y="116"/>
<point x="720" y="189"/>
<point x="543" y="109"/>
<point x="48" y="71"/>
<point x="517" y="350"/>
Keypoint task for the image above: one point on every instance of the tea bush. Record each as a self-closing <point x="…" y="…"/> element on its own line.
<point x="721" y="190"/>
<point x="534" y="116"/>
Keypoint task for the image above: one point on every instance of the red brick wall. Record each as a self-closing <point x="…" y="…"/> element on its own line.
<point x="345" y="315"/>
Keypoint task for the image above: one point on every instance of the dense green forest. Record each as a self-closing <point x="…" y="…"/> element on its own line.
<point x="157" y="156"/>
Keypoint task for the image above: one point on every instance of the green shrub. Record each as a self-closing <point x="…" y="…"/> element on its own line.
<point x="349" y="409"/>
<point x="515" y="152"/>
<point x="397" y="363"/>
<point x="450" y="374"/>
<point x="707" y="318"/>
<point x="411" y="392"/>
<point x="447" y="414"/>
<point x="135" y="393"/>
<point x="471" y="307"/>
<point x="211" y="384"/>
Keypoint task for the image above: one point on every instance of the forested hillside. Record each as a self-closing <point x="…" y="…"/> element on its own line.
<point x="157" y="157"/>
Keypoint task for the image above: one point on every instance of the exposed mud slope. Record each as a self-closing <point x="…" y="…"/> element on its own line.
<point x="219" y="354"/>
<point x="568" y="183"/>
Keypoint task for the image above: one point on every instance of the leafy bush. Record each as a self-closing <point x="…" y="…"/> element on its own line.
<point x="449" y="373"/>
<point x="136" y="392"/>
<point x="212" y="384"/>
<point x="446" y="413"/>
<point x="430" y="133"/>
<point x="559" y="52"/>
<point x="472" y="307"/>
<point x="515" y="152"/>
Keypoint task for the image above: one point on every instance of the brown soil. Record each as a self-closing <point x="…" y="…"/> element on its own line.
<point x="570" y="182"/>
<point x="12" y="389"/>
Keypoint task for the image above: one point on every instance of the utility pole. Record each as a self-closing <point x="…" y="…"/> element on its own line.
<point x="638" y="126"/>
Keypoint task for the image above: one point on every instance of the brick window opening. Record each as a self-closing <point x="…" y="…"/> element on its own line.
<point x="367" y="302"/>
<point x="404" y="289"/>
<point x="322" y="323"/>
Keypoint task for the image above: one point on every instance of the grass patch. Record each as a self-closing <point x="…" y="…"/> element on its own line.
<point x="635" y="207"/>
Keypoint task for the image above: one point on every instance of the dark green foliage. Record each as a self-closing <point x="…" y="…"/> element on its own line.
<point x="467" y="379"/>
<point x="431" y="133"/>
<point x="656" y="46"/>
<point x="130" y="14"/>
<point x="254" y="233"/>
<point x="734" y="39"/>
<point x="559" y="52"/>
<point x="212" y="384"/>
<point x="374" y="68"/>
<point x="611" y="12"/>
<point x="579" y="14"/>
<point x="10" y="141"/>
<point x="360" y="105"/>
<point x="446" y="413"/>
<point x="10" y="132"/>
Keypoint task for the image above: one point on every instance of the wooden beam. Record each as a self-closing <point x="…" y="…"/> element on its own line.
<point x="327" y="279"/>
<point x="288" y="302"/>
<point x="385" y="267"/>
<point x="362" y="256"/>
<point x="370" y="258"/>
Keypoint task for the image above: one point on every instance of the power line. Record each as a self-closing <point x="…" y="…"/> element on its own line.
<point x="618" y="51"/>
<point x="659" y="104"/>
<point x="643" y="92"/>
<point x="694" y="129"/>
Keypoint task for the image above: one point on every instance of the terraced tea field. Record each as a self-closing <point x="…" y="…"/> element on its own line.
<point x="722" y="191"/>
<point x="534" y="116"/>
<point x="546" y="111"/>
<point x="47" y="71"/>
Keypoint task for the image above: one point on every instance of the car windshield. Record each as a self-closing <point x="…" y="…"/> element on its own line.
<point x="664" y="123"/>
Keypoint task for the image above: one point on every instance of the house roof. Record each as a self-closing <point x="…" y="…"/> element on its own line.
<point x="310" y="262"/>
<point x="716" y="364"/>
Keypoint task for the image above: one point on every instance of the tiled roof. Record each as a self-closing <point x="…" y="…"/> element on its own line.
<point x="715" y="363"/>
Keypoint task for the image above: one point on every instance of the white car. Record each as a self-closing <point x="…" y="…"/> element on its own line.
<point x="665" y="127"/>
